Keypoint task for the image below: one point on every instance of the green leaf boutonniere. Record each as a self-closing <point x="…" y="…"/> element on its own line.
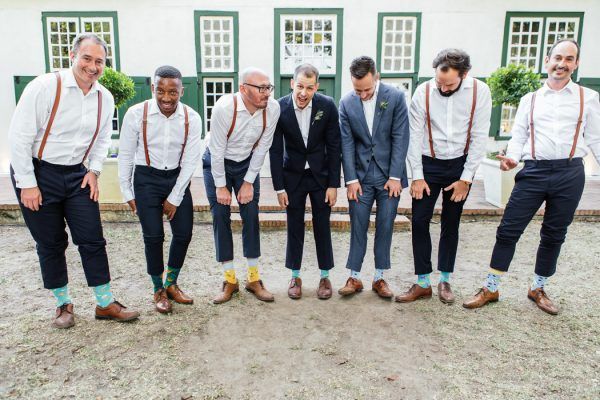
<point x="318" y="116"/>
<point x="383" y="105"/>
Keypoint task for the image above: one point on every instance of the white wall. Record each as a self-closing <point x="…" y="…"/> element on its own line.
<point x="158" y="32"/>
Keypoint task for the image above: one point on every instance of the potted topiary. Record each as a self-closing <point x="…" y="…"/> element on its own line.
<point x="122" y="89"/>
<point x="507" y="84"/>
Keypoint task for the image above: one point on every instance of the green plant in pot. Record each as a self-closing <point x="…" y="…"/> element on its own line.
<point x="120" y="85"/>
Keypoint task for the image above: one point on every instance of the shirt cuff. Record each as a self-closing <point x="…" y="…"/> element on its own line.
<point x="174" y="199"/>
<point x="514" y="156"/>
<point x="467" y="176"/>
<point x="250" y="177"/>
<point x="220" y="182"/>
<point x="394" y="178"/>
<point x="352" y="181"/>
<point x="26" y="181"/>
<point x="280" y="191"/>
<point x="128" y="195"/>
<point x="417" y="174"/>
<point x="96" y="165"/>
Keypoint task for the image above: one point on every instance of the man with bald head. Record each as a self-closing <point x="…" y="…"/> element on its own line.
<point x="242" y="128"/>
<point x="553" y="130"/>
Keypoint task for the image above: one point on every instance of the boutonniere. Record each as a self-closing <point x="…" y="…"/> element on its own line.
<point x="318" y="116"/>
<point x="383" y="105"/>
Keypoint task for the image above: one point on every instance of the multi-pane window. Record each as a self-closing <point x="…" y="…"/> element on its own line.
<point x="308" y="39"/>
<point x="525" y="41"/>
<point x="560" y="28"/>
<point x="213" y="89"/>
<point x="61" y="31"/>
<point x="217" y="43"/>
<point x="402" y="84"/>
<point x="398" y="44"/>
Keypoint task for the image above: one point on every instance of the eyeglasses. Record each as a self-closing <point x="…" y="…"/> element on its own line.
<point x="261" y="89"/>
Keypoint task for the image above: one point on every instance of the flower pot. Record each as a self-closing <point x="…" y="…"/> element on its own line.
<point x="498" y="184"/>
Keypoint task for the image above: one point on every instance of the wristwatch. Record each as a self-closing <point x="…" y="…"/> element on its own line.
<point x="93" y="171"/>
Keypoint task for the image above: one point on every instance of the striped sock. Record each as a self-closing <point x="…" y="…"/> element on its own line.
<point x="423" y="280"/>
<point x="445" y="276"/>
<point x="493" y="280"/>
<point x="62" y="295"/>
<point x="103" y="295"/>
<point x="538" y="282"/>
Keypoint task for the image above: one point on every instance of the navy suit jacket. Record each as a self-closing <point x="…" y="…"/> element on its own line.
<point x="389" y="143"/>
<point x="288" y="154"/>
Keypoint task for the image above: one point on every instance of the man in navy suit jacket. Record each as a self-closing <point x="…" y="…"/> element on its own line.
<point x="374" y="128"/>
<point x="306" y="160"/>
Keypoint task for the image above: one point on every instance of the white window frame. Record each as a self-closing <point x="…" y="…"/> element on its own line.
<point x="220" y="45"/>
<point x="205" y="92"/>
<point x="398" y="45"/>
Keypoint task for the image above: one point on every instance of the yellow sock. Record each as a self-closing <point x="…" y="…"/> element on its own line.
<point x="495" y="271"/>
<point x="230" y="276"/>
<point x="253" y="274"/>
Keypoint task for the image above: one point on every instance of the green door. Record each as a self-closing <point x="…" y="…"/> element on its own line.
<point x="326" y="86"/>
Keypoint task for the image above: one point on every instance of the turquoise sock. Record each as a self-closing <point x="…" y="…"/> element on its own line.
<point x="423" y="280"/>
<point x="324" y="273"/>
<point x="355" y="274"/>
<point x="538" y="282"/>
<point x="492" y="282"/>
<point x="103" y="295"/>
<point x="62" y="295"/>
<point x="295" y="273"/>
<point x="445" y="276"/>
<point x="172" y="274"/>
<point x="378" y="274"/>
<point x="157" y="281"/>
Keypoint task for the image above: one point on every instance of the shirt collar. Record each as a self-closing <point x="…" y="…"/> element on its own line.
<point x="153" y="109"/>
<point x="70" y="81"/>
<point x="309" y="105"/>
<point x="545" y="89"/>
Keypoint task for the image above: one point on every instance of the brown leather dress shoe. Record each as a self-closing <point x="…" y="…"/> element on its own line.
<point x="415" y="292"/>
<point x="257" y="288"/>
<point x="481" y="298"/>
<point x="176" y="294"/>
<point x="161" y="302"/>
<point x="352" y="286"/>
<point x="324" y="291"/>
<point x="64" y="317"/>
<point x="117" y="312"/>
<point x="227" y="292"/>
<point x="445" y="293"/>
<point x="295" y="289"/>
<point x="382" y="289"/>
<point x="542" y="301"/>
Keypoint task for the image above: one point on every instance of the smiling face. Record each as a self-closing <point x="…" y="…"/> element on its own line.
<point x="88" y="64"/>
<point x="304" y="89"/>
<point x="365" y="86"/>
<point x="562" y="62"/>
<point x="167" y="92"/>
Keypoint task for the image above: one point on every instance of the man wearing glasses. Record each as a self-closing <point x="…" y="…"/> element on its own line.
<point x="242" y="127"/>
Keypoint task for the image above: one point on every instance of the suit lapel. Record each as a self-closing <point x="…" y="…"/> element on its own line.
<point x="378" y="110"/>
<point x="290" y="114"/>
<point x="360" y="114"/>
<point x="313" y="112"/>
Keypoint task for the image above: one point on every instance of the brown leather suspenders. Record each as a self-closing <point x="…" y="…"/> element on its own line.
<point x="579" y="121"/>
<point x="53" y="115"/>
<point x="428" y="117"/>
<point x="264" y="120"/>
<point x="145" y="136"/>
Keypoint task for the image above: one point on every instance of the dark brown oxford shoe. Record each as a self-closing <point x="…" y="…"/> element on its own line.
<point x="445" y="293"/>
<point x="64" y="317"/>
<point x="415" y="292"/>
<point x="295" y="289"/>
<point x="382" y="289"/>
<point x="324" y="291"/>
<point x="161" y="302"/>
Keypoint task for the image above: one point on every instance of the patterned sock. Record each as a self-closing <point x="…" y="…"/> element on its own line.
<point x="538" y="282"/>
<point x="378" y="274"/>
<point x="445" y="276"/>
<point x="157" y="282"/>
<point x="172" y="274"/>
<point x="423" y="280"/>
<point x="229" y="272"/>
<point x="103" y="295"/>
<point x="355" y="274"/>
<point x="62" y="295"/>
<point x="324" y="273"/>
<point x="493" y="280"/>
<point x="295" y="273"/>
<point x="253" y="274"/>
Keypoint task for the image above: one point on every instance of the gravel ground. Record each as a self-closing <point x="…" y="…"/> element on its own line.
<point x="357" y="348"/>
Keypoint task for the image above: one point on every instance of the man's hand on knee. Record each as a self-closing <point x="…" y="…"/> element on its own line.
<point x="246" y="193"/>
<point x="223" y="196"/>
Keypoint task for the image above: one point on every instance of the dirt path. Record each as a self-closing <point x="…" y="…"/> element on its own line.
<point x="358" y="348"/>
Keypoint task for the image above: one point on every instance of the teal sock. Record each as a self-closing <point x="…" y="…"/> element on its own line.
<point x="103" y="295"/>
<point x="172" y="274"/>
<point x="378" y="275"/>
<point x="157" y="281"/>
<point x="538" y="282"/>
<point x="295" y="273"/>
<point x="355" y="274"/>
<point x="62" y="295"/>
<point x="324" y="273"/>
<point x="445" y="276"/>
<point x="423" y="280"/>
<point x="492" y="282"/>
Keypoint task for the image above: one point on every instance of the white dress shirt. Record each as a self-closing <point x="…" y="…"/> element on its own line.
<point x="450" y="118"/>
<point x="72" y="130"/>
<point x="555" y="120"/>
<point x="369" y="108"/>
<point x="303" y="117"/>
<point x="248" y="129"/>
<point x="165" y="137"/>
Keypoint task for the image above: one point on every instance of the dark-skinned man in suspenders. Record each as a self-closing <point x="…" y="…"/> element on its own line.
<point x="159" y="149"/>
<point x="241" y="133"/>
<point x="449" y="124"/>
<point x="554" y="127"/>
<point x="62" y="120"/>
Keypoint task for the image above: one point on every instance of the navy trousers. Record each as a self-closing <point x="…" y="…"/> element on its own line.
<point x="63" y="200"/>
<point x="360" y="215"/>
<point x="234" y="175"/>
<point x="557" y="182"/>
<point x="321" y="213"/>
<point x="438" y="174"/>
<point x="152" y="186"/>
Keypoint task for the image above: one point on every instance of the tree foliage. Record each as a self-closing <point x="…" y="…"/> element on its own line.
<point x="120" y="85"/>
<point x="508" y="84"/>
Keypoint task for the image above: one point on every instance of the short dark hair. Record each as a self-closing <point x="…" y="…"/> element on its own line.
<point x="308" y="70"/>
<point x="361" y="66"/>
<point x="91" y="36"/>
<point x="167" y="71"/>
<point x="453" y="58"/>
<point x="551" y="49"/>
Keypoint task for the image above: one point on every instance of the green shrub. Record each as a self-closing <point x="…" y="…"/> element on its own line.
<point x="508" y="84"/>
<point x="120" y="85"/>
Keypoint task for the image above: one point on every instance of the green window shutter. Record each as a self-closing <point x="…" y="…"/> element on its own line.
<point x="20" y="83"/>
